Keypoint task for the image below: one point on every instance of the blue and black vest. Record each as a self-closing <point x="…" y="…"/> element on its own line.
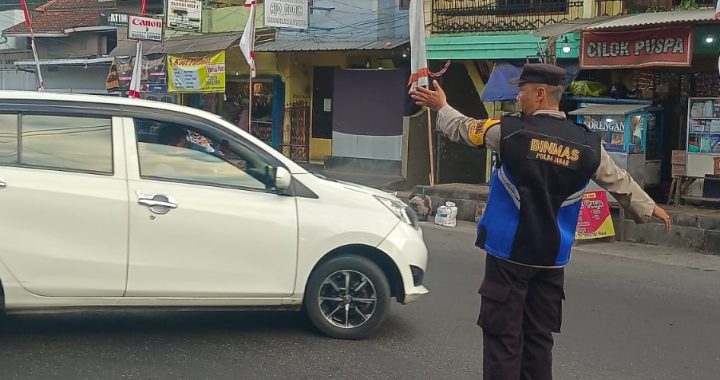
<point x="536" y="193"/>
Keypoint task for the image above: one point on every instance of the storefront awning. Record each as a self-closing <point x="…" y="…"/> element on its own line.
<point x="574" y="26"/>
<point x="313" y="45"/>
<point x="483" y="46"/>
<point x="191" y="43"/>
<point x="498" y="87"/>
<point x="694" y="16"/>
<point x="608" y="109"/>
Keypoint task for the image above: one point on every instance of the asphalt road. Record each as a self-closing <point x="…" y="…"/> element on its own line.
<point x="629" y="315"/>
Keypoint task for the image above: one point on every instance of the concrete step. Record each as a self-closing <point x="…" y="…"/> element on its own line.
<point x="697" y="229"/>
<point x="469" y="199"/>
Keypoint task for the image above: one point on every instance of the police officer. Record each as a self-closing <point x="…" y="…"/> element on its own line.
<point x="528" y="228"/>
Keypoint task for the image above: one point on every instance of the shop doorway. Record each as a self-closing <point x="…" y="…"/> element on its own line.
<point x="322" y="107"/>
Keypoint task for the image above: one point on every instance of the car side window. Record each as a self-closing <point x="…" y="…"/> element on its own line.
<point x="8" y="139"/>
<point x="181" y="153"/>
<point x="57" y="142"/>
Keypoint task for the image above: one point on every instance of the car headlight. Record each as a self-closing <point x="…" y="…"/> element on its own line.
<point x="401" y="210"/>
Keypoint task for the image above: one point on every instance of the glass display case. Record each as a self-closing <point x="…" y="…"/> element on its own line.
<point x="703" y="137"/>
<point x="632" y="135"/>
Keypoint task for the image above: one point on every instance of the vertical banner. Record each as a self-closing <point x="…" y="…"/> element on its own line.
<point x="247" y="42"/>
<point x="418" y="54"/>
<point x="197" y="74"/>
<point x="595" y="221"/>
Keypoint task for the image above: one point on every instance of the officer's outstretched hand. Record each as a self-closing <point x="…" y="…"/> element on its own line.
<point x="435" y="100"/>
<point x="659" y="213"/>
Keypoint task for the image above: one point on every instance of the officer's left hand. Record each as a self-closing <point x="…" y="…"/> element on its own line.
<point x="435" y="100"/>
<point x="659" y="213"/>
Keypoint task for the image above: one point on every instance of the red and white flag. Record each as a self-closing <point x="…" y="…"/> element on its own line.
<point x="136" y="80"/>
<point x="28" y="24"/>
<point x="247" y="42"/>
<point x="418" y="56"/>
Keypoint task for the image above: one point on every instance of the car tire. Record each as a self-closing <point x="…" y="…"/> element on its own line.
<point x="347" y="314"/>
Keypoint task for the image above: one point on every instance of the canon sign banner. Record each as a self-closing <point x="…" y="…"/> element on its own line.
<point x="637" y="48"/>
<point x="145" y="28"/>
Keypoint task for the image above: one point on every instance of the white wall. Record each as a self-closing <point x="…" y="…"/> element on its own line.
<point x="17" y="80"/>
<point x="9" y="19"/>
<point x="76" y="79"/>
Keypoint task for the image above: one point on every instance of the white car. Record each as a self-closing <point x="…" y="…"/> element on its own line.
<point x="108" y="202"/>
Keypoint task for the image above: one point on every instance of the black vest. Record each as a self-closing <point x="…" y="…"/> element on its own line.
<point x="535" y="196"/>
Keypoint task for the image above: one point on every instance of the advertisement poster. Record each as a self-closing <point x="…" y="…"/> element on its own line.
<point x="595" y="221"/>
<point x="197" y="74"/>
<point x="184" y="15"/>
<point x="154" y="78"/>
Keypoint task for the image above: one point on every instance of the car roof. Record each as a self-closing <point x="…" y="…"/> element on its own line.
<point x="37" y="96"/>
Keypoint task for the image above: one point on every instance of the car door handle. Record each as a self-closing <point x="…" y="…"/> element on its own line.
<point x="3" y="184"/>
<point x="155" y="203"/>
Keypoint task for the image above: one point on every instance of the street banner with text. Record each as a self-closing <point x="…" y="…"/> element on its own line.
<point x="637" y="48"/>
<point x="197" y="74"/>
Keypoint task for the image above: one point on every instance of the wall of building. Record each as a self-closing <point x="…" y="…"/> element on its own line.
<point x="75" y="45"/>
<point x="8" y="19"/>
<point x="14" y="79"/>
<point x="76" y="79"/>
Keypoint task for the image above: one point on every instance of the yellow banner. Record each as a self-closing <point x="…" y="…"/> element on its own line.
<point x="197" y="74"/>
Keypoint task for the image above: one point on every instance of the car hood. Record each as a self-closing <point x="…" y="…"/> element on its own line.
<point x="353" y="187"/>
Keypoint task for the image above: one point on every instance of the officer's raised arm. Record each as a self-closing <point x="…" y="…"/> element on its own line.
<point x="453" y="124"/>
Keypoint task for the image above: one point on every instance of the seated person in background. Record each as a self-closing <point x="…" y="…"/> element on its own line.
<point x="173" y="136"/>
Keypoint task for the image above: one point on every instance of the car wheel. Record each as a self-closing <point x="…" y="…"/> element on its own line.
<point x="347" y="297"/>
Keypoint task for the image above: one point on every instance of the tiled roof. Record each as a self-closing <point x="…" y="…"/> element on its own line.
<point x="57" y="22"/>
<point x="72" y="5"/>
<point x="57" y="16"/>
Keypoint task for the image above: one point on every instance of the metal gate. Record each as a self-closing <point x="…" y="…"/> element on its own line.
<point x="297" y="146"/>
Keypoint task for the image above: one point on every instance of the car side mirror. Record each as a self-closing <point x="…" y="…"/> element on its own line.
<point x="283" y="179"/>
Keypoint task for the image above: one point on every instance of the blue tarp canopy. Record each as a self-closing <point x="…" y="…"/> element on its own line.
<point x="499" y="89"/>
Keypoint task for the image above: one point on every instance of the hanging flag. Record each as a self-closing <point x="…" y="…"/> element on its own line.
<point x="418" y="56"/>
<point x="136" y="80"/>
<point x="28" y="24"/>
<point x="247" y="42"/>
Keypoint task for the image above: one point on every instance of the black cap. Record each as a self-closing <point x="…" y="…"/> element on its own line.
<point x="540" y="73"/>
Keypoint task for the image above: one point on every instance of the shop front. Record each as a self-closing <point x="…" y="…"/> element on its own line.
<point x="208" y="72"/>
<point x="476" y="69"/>
<point x="648" y="86"/>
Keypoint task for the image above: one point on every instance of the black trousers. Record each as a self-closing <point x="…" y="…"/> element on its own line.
<point x="520" y="308"/>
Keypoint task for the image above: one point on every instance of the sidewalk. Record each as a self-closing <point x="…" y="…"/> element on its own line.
<point x="682" y="257"/>
<point x="696" y="229"/>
